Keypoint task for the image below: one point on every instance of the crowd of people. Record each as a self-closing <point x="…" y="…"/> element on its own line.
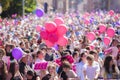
<point x="92" y="60"/>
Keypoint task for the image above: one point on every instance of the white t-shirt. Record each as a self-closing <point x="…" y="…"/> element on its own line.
<point x="91" y="70"/>
<point x="79" y="70"/>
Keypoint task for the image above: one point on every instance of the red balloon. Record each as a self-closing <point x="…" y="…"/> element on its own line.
<point x="111" y="12"/>
<point x="102" y="28"/>
<point x="107" y="41"/>
<point x="91" y="36"/>
<point x="38" y="28"/>
<point x="44" y="34"/>
<point x="110" y="32"/>
<point x="62" y="29"/>
<point x="48" y="43"/>
<point x="59" y="21"/>
<point x="52" y="37"/>
<point x="50" y="26"/>
<point x="62" y="41"/>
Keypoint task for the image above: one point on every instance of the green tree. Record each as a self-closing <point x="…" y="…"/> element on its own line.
<point x="5" y="4"/>
<point x="15" y="6"/>
<point x="30" y="7"/>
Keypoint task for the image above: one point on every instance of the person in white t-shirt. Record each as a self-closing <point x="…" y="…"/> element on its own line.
<point x="40" y="58"/>
<point x="80" y="66"/>
<point x="114" y="48"/>
<point x="91" y="69"/>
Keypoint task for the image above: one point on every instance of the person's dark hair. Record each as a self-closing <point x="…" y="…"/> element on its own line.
<point x="118" y="57"/>
<point x="63" y="59"/>
<point x="27" y="51"/>
<point x="90" y="57"/>
<point x="31" y="73"/>
<point x="76" y="49"/>
<point x="118" y="46"/>
<point x="99" y="39"/>
<point x="81" y="55"/>
<point x="21" y="43"/>
<point x="12" y="68"/>
<point x="46" y="77"/>
<point x="93" y="52"/>
<point x="87" y="48"/>
<point x="75" y="53"/>
<point x="107" y="64"/>
<point x="38" y="52"/>
<point x="68" y="51"/>
<point x="84" y="39"/>
<point x="66" y="64"/>
<point x="113" y="42"/>
<point x="3" y="70"/>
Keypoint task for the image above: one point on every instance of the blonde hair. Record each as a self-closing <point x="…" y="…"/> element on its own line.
<point x="2" y="51"/>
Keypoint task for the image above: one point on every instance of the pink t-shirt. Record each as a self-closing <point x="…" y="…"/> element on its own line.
<point x="114" y="51"/>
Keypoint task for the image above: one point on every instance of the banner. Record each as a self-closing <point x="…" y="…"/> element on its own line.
<point x="41" y="66"/>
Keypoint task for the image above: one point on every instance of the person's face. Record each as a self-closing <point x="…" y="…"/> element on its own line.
<point x="65" y="69"/>
<point x="25" y="59"/>
<point x="51" y="70"/>
<point x="98" y="49"/>
<point x="22" y="46"/>
<point x="90" y="62"/>
<point x="84" y="56"/>
<point x="8" y="48"/>
<point x="16" y="66"/>
<point x="26" y="44"/>
<point x="41" y="55"/>
<point x="29" y="77"/>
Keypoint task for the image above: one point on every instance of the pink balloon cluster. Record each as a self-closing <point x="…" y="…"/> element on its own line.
<point x="54" y="33"/>
<point x="109" y="31"/>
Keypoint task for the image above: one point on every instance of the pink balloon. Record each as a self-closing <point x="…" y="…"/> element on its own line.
<point x="50" y="26"/>
<point x="44" y="34"/>
<point x="62" y="29"/>
<point x="110" y="32"/>
<point x="48" y="43"/>
<point x="0" y="20"/>
<point x="91" y="36"/>
<point x="86" y="15"/>
<point x="59" y="21"/>
<point x="86" y="21"/>
<point x="102" y="28"/>
<point x="62" y="41"/>
<point x="38" y="28"/>
<point x="111" y="12"/>
<point x="107" y="41"/>
<point x="52" y="37"/>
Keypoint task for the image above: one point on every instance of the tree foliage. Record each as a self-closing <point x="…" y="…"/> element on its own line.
<point x="10" y="7"/>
